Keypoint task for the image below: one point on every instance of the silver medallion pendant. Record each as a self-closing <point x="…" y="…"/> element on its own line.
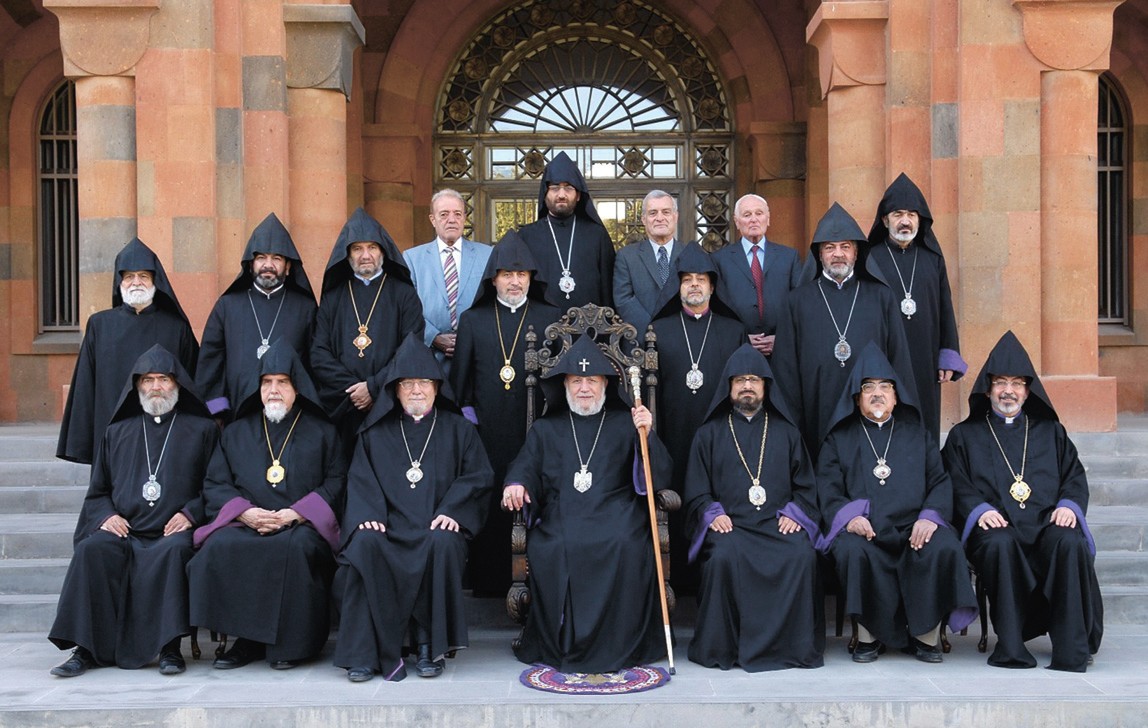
<point x="583" y="479"/>
<point x="695" y="379"/>
<point x="881" y="471"/>
<point x="566" y="283"/>
<point x="908" y="306"/>
<point x="842" y="351"/>
<point x="414" y="474"/>
<point x="262" y="349"/>
<point x="757" y="494"/>
<point x="152" y="491"/>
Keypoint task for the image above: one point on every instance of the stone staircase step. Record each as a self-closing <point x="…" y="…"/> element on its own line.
<point x="1118" y="491"/>
<point x="42" y="499"/>
<point x="36" y="535"/>
<point x="24" y="473"/>
<point x="32" y="576"/>
<point x="29" y="441"/>
<point x="1125" y="604"/>
<point x="27" y="612"/>
<point x="1116" y="466"/>
<point x="1122" y="568"/>
<point x="1118" y="528"/>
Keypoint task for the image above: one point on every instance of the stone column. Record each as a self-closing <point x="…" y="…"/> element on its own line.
<point x="850" y="39"/>
<point x="1072" y="39"/>
<point x="102" y="41"/>
<point x="321" y="44"/>
<point x="779" y="173"/>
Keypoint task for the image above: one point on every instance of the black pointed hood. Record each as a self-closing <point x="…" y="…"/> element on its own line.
<point x="1009" y="358"/>
<point x="692" y="259"/>
<point x="137" y="256"/>
<point x="834" y="226"/>
<point x="161" y="361"/>
<point x="271" y="237"/>
<point x="281" y="358"/>
<point x="563" y="169"/>
<point x="747" y="360"/>
<point x="903" y="194"/>
<point x="362" y="228"/>
<point x="586" y="350"/>
<point x="412" y="360"/>
<point x="872" y="364"/>
<point x="510" y="253"/>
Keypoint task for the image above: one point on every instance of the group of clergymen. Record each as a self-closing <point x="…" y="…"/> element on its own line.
<point x="355" y="448"/>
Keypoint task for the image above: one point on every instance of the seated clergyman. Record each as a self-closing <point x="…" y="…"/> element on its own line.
<point x="594" y="596"/>
<point x="417" y="490"/>
<point x="124" y="598"/>
<point x="265" y="561"/>
<point x="1021" y="495"/>
<point x="886" y="502"/>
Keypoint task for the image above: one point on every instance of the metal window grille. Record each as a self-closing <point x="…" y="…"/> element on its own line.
<point x="1112" y="204"/>
<point x="620" y="87"/>
<point x="58" y="218"/>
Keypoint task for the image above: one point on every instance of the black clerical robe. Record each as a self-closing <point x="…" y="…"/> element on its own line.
<point x="932" y="328"/>
<point x="886" y="584"/>
<point x="712" y="338"/>
<point x="758" y="604"/>
<point x="113" y="340"/>
<point x="803" y="355"/>
<point x="124" y="598"/>
<point x="501" y="415"/>
<point x="335" y="360"/>
<point x="593" y="590"/>
<point x="271" y="589"/>
<point x="409" y="572"/>
<point x="228" y="366"/>
<point x="591" y="259"/>
<point x="1039" y="577"/>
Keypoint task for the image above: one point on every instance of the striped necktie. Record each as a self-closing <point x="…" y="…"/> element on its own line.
<point x="663" y="266"/>
<point x="758" y="281"/>
<point x="450" y="272"/>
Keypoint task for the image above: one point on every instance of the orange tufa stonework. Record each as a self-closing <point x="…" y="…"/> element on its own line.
<point x="198" y="117"/>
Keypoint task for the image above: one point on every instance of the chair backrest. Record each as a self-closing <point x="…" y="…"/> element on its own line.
<point x="616" y="338"/>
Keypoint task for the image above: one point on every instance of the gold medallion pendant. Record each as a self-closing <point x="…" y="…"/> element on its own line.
<point x="506" y="374"/>
<point x="362" y="341"/>
<point x="1019" y="490"/>
<point x="757" y="494"/>
<point x="275" y="473"/>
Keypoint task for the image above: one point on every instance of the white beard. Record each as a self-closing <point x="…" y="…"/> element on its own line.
<point x="138" y="298"/>
<point x="585" y="410"/>
<point x="275" y="411"/>
<point x="161" y="405"/>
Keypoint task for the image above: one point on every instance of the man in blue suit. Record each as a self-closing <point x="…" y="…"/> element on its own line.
<point x="446" y="272"/>
<point x="642" y="268"/>
<point x="755" y="275"/>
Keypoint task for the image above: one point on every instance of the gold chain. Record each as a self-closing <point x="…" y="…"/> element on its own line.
<point x="756" y="480"/>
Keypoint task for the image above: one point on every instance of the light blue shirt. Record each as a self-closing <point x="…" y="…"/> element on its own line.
<point x="746" y="247"/>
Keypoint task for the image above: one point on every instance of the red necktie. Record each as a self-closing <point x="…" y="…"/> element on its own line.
<point x="758" y="280"/>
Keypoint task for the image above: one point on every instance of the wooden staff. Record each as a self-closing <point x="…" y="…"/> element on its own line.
<point x="635" y="385"/>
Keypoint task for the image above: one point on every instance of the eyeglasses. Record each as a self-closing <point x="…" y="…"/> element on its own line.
<point x="868" y="387"/>
<point x="1017" y="384"/>
<point x="408" y="384"/>
<point x="562" y="186"/>
<point x="747" y="379"/>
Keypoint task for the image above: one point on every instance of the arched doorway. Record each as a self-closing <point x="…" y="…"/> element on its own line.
<point x="625" y="91"/>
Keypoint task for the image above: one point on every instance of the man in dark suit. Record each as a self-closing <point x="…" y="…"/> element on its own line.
<point x="755" y="275"/>
<point x="642" y="268"/>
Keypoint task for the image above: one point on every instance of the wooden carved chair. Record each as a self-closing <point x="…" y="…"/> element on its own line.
<point x="619" y="340"/>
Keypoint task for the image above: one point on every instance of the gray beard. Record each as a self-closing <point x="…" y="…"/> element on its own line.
<point x="138" y="298"/>
<point x="159" y="406"/>
<point x="269" y="284"/>
<point x="587" y="411"/>
<point x="275" y="411"/>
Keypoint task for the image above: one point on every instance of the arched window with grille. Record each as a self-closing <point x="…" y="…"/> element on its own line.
<point x="57" y="215"/>
<point x="1112" y="203"/>
<point x="622" y="88"/>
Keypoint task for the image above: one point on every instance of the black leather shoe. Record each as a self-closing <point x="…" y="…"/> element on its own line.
<point x="360" y="674"/>
<point x="171" y="663"/>
<point x="243" y="652"/>
<point x="284" y="664"/>
<point x="924" y="652"/>
<point x="867" y="651"/>
<point x="426" y="667"/>
<point x="75" y="665"/>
